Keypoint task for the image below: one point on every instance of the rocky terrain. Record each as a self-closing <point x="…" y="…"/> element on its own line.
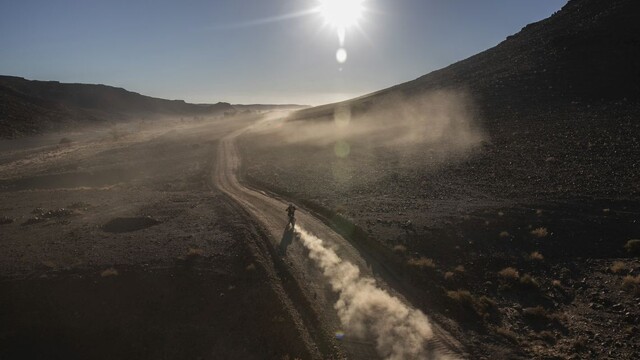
<point x="118" y="247"/>
<point x="509" y="201"/>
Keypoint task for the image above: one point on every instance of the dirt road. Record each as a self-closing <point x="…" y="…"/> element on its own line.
<point x="365" y="311"/>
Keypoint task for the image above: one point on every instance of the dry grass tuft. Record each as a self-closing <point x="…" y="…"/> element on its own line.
<point x="528" y="281"/>
<point x="548" y="336"/>
<point x="194" y="252"/>
<point x="507" y="334"/>
<point x="509" y="273"/>
<point x="556" y="283"/>
<point x="536" y="256"/>
<point x="537" y="313"/>
<point x="251" y="267"/>
<point x="618" y="267"/>
<point x="400" y="249"/>
<point x="481" y="306"/>
<point x="422" y="263"/>
<point x="631" y="283"/>
<point x="540" y="232"/>
<point x="459" y="268"/>
<point x="449" y="275"/>
<point x="633" y="246"/>
<point x="109" y="272"/>
<point x="504" y="234"/>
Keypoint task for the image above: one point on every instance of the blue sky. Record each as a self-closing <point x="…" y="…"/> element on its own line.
<point x="220" y="50"/>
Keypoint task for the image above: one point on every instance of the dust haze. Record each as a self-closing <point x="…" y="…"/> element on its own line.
<point x="445" y="121"/>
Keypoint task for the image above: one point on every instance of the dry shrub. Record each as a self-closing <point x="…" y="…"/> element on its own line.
<point x="251" y="267"/>
<point x="633" y="246"/>
<point x="50" y="264"/>
<point x="548" y="336"/>
<point x="194" y="252"/>
<point x="618" y="267"/>
<point x="507" y="334"/>
<point x="536" y="256"/>
<point x="400" y="249"/>
<point x="509" y="273"/>
<point x="459" y="268"/>
<point x="422" y="263"/>
<point x="504" y="234"/>
<point x="528" y="281"/>
<point x="540" y="232"/>
<point x="537" y="313"/>
<point x="109" y="272"/>
<point x="631" y="283"/>
<point x="448" y="275"/>
<point x="481" y="306"/>
<point x="556" y="283"/>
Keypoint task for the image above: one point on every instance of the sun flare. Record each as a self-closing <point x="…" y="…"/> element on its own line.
<point x="341" y="13"/>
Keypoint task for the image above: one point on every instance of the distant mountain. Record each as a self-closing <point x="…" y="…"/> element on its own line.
<point x="588" y="52"/>
<point x="267" y="107"/>
<point x="28" y="107"/>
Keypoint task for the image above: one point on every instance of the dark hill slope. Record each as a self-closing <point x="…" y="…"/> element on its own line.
<point x="28" y="107"/>
<point x="587" y="52"/>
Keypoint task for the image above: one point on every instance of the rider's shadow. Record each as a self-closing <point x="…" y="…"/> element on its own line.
<point x="287" y="238"/>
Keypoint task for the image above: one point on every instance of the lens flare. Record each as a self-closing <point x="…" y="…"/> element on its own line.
<point x="341" y="55"/>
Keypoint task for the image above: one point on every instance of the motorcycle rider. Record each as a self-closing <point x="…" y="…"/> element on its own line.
<point x="291" y="211"/>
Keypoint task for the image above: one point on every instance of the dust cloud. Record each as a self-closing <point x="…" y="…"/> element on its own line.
<point x="443" y="119"/>
<point x="367" y="311"/>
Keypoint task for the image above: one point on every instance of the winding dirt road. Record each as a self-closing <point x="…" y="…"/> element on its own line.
<point x="324" y="287"/>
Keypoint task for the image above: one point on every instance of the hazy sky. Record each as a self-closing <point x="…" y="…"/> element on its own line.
<point x="222" y="50"/>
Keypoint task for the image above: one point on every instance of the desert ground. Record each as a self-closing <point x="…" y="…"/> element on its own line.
<point x="118" y="246"/>
<point x="530" y="253"/>
<point x="170" y="240"/>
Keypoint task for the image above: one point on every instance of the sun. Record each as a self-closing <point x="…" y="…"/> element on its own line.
<point x="341" y="14"/>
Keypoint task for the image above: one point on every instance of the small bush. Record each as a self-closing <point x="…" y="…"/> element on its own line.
<point x="536" y="256"/>
<point x="109" y="272"/>
<point x="540" y="232"/>
<point x="481" y="306"/>
<point x="400" y="249"/>
<point x="504" y="234"/>
<point x="509" y="273"/>
<point x="459" y="268"/>
<point x="193" y="252"/>
<point x="422" y="263"/>
<point x="528" y="281"/>
<point x="633" y="246"/>
<point x="448" y="275"/>
<point x="631" y="283"/>
<point x="556" y="283"/>
<point x="537" y="313"/>
<point x="618" y="267"/>
<point x="548" y="336"/>
<point x="507" y="334"/>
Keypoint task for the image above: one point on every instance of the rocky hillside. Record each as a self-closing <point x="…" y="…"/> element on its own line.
<point x="29" y="107"/>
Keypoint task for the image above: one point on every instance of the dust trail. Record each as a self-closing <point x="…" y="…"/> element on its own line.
<point x="367" y="311"/>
